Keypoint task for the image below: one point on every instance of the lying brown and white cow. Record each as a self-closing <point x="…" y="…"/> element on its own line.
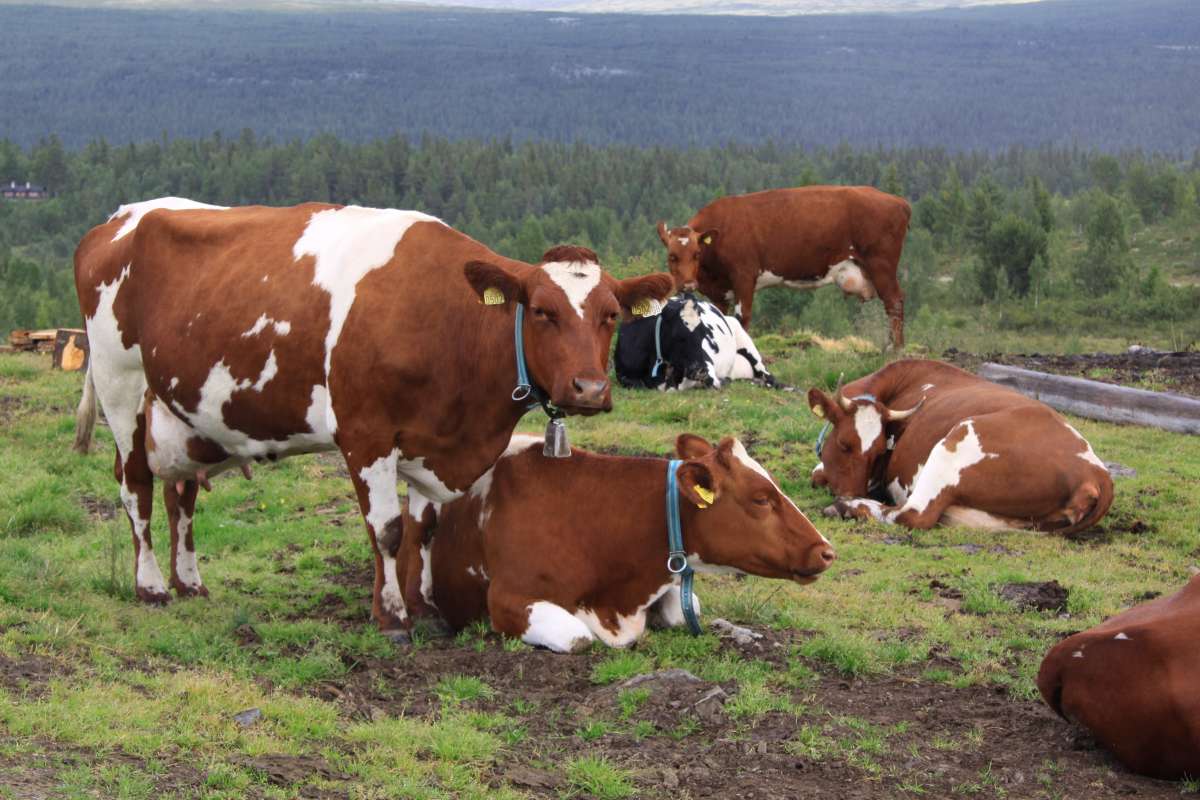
<point x="560" y="552"/>
<point x="224" y="336"/>
<point x="1134" y="682"/>
<point x="949" y="446"/>
<point x="802" y="238"/>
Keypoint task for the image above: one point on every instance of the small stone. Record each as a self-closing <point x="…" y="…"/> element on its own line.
<point x="727" y="630"/>
<point x="711" y="706"/>
<point x="248" y="717"/>
<point x="664" y="675"/>
<point x="1120" y="470"/>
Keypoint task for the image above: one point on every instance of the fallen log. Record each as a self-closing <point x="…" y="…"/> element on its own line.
<point x="1102" y="401"/>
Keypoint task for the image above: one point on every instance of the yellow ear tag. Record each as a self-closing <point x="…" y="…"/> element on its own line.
<point x="818" y="411"/>
<point x="708" y="240"/>
<point x="646" y="307"/>
<point x="493" y="296"/>
<point x="706" y="496"/>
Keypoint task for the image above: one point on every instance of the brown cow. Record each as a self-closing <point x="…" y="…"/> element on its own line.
<point x="803" y="238"/>
<point x="559" y="552"/>
<point x="1134" y="682"/>
<point x="225" y="336"/>
<point x="949" y="446"/>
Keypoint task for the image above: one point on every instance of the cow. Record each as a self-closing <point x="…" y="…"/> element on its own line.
<point x="560" y="553"/>
<point x="690" y="343"/>
<point x="805" y="238"/>
<point x="945" y="445"/>
<point x="224" y="336"/>
<point x="1134" y="682"/>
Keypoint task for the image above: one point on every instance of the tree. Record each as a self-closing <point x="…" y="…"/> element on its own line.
<point x="1106" y="263"/>
<point x="1010" y="248"/>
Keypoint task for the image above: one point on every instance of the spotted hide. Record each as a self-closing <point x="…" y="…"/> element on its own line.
<point x="1134" y="682"/>
<point x="700" y="346"/>
<point x="562" y="552"/>
<point x="221" y="337"/>
<point x="947" y="446"/>
<point x="806" y="238"/>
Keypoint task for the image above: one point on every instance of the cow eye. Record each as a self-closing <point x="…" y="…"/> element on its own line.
<point x="673" y="257"/>
<point x="762" y="500"/>
<point x="541" y="313"/>
<point x="845" y="448"/>
<point x="612" y="317"/>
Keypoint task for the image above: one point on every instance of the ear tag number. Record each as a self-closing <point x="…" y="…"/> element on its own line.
<point x="705" y="495"/>
<point x="493" y="296"/>
<point x="818" y="411"/>
<point x="646" y="307"/>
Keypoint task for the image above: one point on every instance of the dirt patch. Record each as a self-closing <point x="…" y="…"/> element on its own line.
<point x="28" y="675"/>
<point x="1156" y="370"/>
<point x="40" y="774"/>
<point x="1047" y="596"/>
<point x="284" y="770"/>
<point x="99" y="508"/>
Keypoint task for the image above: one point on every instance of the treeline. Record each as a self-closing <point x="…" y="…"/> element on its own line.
<point x="1024" y="226"/>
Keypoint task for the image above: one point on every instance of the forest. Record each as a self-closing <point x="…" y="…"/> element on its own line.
<point x="1108" y="74"/>
<point x="1051" y="240"/>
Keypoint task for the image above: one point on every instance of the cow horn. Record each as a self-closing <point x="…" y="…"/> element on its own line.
<point x="846" y="405"/>
<point x="896" y="416"/>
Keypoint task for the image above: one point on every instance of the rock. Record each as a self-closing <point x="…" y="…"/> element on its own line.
<point x="727" y="630"/>
<point x="711" y="706"/>
<point x="250" y="716"/>
<point x="1048" y="596"/>
<point x="1120" y="470"/>
<point x="661" y="676"/>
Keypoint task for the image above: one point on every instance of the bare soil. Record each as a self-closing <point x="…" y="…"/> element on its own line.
<point x="1177" y="372"/>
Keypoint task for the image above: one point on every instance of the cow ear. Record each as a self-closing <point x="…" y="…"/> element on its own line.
<point x="820" y="404"/>
<point x="494" y="284"/>
<point x="709" y="237"/>
<point x="690" y="446"/>
<point x="696" y="484"/>
<point x="662" y="231"/>
<point x="645" y="295"/>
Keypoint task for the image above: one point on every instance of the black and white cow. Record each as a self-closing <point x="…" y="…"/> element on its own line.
<point x="691" y="343"/>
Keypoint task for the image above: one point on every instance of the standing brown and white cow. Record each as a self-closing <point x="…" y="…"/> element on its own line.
<point x="1134" y="682"/>
<point x="224" y="336"/>
<point x="802" y="238"/>
<point x="948" y="446"/>
<point x="561" y="552"/>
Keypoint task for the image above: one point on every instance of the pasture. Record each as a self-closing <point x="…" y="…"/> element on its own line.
<point x="906" y="670"/>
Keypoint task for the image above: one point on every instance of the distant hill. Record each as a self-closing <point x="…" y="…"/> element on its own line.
<point x="1112" y="74"/>
<point x="725" y="7"/>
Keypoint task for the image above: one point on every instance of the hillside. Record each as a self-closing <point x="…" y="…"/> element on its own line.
<point x="1108" y="74"/>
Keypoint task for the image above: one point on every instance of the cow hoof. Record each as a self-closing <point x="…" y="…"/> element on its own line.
<point x="433" y="628"/>
<point x="152" y="597"/>
<point x="399" y="636"/>
<point x="183" y="590"/>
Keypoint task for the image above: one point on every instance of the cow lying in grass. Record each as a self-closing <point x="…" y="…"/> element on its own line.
<point x="559" y="552"/>
<point x="694" y="345"/>
<point x="947" y="446"/>
<point x="1134" y="682"/>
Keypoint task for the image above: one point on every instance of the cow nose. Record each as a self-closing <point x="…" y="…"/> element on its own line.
<point x="689" y="286"/>
<point x="828" y="556"/>
<point x="589" y="393"/>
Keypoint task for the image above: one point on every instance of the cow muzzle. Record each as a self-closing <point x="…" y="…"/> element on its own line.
<point x="816" y="561"/>
<point x="587" y="396"/>
<point x="689" y="286"/>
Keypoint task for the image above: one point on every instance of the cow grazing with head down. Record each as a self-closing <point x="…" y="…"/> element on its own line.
<point x="223" y="336"/>
<point x="805" y="238"/>
<point x="561" y="552"/>
<point x="948" y="446"/>
<point x="1134" y="682"/>
<point x="690" y="343"/>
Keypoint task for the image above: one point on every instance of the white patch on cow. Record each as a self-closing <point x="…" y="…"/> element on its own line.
<point x="897" y="492"/>
<point x="174" y="382"/>
<point x="818" y="468"/>
<point x="553" y="627"/>
<point x="667" y="612"/>
<point x="927" y="387"/>
<point x="383" y="506"/>
<point x="690" y="315"/>
<point x="519" y="443"/>
<point x="347" y="244"/>
<point x="700" y="565"/>
<point x="133" y="212"/>
<point x="186" y="568"/>
<point x="116" y="371"/>
<point x="282" y="328"/>
<point x="944" y="468"/>
<point x="629" y="627"/>
<point x="1077" y="654"/>
<point x="1087" y="454"/>
<point x="417" y="503"/>
<point x="891" y="442"/>
<point x="1121" y="637"/>
<point x="968" y="517"/>
<point x="737" y="309"/>
<point x="269" y="371"/>
<point x="683" y="240"/>
<point x="478" y="572"/>
<point x="766" y="279"/>
<point x="217" y="392"/>
<point x="427" y="575"/>
<point x="148" y="576"/>
<point x="868" y="423"/>
<point x="576" y="279"/>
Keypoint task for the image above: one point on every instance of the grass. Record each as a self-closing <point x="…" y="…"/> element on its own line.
<point x="163" y="684"/>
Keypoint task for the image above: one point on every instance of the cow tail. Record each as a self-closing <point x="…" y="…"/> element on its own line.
<point x="1087" y="505"/>
<point x="85" y="415"/>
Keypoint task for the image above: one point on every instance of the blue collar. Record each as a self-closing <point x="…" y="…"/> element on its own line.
<point x="658" y="358"/>
<point x="820" y="443"/>
<point x="677" y="563"/>
<point x="525" y="387"/>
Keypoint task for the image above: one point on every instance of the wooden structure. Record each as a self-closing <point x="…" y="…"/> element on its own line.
<point x="1102" y="401"/>
<point x="69" y="346"/>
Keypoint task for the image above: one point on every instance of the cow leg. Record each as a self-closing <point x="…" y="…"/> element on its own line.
<point x="181" y="508"/>
<point x="882" y="274"/>
<point x="137" y="495"/>
<point x="667" y="611"/>
<point x="743" y="306"/>
<point x="375" y="484"/>
<point x="749" y="364"/>
<point x="537" y="622"/>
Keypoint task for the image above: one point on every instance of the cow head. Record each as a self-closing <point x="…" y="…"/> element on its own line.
<point x="855" y="441"/>
<point x="685" y="250"/>
<point x="571" y="310"/>
<point x="745" y="521"/>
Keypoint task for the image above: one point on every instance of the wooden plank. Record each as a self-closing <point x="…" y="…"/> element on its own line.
<point x="1102" y="401"/>
<point x="70" y="350"/>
